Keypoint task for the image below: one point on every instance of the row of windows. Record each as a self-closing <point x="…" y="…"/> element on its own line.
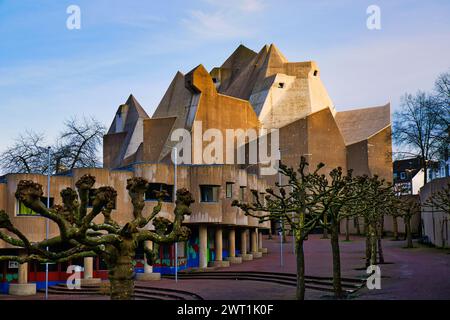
<point x="402" y="175"/>
<point x="208" y="193"/>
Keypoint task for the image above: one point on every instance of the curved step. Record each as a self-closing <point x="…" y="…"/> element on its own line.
<point x="317" y="283"/>
<point x="139" y="291"/>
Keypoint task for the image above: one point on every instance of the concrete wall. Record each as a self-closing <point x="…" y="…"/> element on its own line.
<point x="436" y="226"/>
<point x="190" y="177"/>
<point x="379" y="148"/>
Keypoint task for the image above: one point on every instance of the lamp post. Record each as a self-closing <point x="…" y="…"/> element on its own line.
<point x="281" y="248"/>
<point x="47" y="222"/>
<point x="175" y="164"/>
<point x="281" y="233"/>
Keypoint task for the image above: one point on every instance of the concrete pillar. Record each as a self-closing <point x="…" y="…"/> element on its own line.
<point x="245" y="256"/>
<point x="260" y="243"/>
<point x="244" y="241"/>
<point x="22" y="288"/>
<point x="254" y="240"/>
<point x="203" y="246"/>
<point x="148" y="274"/>
<point x="148" y="268"/>
<point x="88" y="268"/>
<point x="23" y="273"/>
<point x="88" y="278"/>
<point x="218" y="244"/>
<point x="260" y="240"/>
<point x="232" y="248"/>
<point x="232" y="241"/>
<point x="254" y="244"/>
<point x="218" y="262"/>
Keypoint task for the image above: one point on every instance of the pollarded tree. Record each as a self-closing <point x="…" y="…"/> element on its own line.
<point x="333" y="193"/>
<point x="294" y="207"/>
<point x="372" y="206"/>
<point x="80" y="236"/>
<point x="408" y="206"/>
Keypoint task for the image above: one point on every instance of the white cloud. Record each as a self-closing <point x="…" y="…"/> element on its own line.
<point x="213" y="25"/>
<point x="225" y="19"/>
<point x="241" y="5"/>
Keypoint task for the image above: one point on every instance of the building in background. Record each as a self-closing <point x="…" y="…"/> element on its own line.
<point x="404" y="171"/>
<point x="249" y="90"/>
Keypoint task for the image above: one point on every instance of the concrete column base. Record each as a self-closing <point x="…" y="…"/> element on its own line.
<point x="257" y="255"/>
<point x="154" y="276"/>
<point x="219" y="263"/>
<point x="22" y="289"/>
<point x="263" y="250"/>
<point x="90" y="281"/>
<point x="246" y="257"/>
<point x="234" y="259"/>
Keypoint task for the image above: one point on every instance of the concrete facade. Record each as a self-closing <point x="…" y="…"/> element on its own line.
<point x="248" y="91"/>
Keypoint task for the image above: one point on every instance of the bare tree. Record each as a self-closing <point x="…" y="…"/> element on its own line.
<point x="80" y="236"/>
<point x="372" y="206"/>
<point x="78" y="145"/>
<point x="442" y="89"/>
<point x="408" y="206"/>
<point x="418" y="127"/>
<point x="294" y="207"/>
<point x="26" y="155"/>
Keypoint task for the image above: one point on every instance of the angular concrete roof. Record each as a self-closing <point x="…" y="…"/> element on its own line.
<point x="279" y="91"/>
<point x="360" y="124"/>
<point x="129" y="121"/>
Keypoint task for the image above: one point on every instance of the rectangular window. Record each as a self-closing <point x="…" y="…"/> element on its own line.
<point x="209" y="193"/>
<point x="22" y="210"/>
<point x="254" y="196"/>
<point x="153" y="188"/>
<point x="242" y="194"/>
<point x="402" y="175"/>
<point x="229" y="190"/>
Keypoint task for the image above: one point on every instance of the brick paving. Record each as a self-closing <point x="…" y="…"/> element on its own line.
<point x="419" y="273"/>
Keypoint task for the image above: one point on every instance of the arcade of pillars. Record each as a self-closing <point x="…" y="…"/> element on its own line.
<point x="247" y="235"/>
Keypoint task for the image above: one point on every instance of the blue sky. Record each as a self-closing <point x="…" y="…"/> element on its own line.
<point x="49" y="73"/>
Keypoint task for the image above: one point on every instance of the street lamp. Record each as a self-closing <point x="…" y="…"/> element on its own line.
<point x="175" y="164"/>
<point x="47" y="221"/>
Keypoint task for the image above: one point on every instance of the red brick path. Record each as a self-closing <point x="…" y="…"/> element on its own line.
<point x="419" y="273"/>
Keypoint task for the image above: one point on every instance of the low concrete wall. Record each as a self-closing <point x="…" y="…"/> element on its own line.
<point x="436" y="226"/>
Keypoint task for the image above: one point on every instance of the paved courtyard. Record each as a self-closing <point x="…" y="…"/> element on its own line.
<point x="419" y="273"/>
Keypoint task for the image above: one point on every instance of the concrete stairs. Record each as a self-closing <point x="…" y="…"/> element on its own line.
<point x="349" y="285"/>
<point x="140" y="292"/>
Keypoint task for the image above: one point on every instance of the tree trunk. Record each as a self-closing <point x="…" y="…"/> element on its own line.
<point x="121" y="279"/>
<point x="347" y="231"/>
<point x="373" y="245"/>
<point x="300" y="254"/>
<point x="380" y="247"/>
<point x="395" y="226"/>
<point x="358" y="229"/>
<point x="337" y="283"/>
<point x="325" y="227"/>
<point x="409" y="243"/>
<point x="367" y="234"/>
